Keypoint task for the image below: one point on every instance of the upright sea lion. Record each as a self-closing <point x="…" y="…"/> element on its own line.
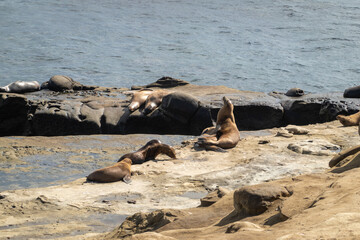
<point x="149" y="151"/>
<point x="154" y="100"/>
<point x="139" y="98"/>
<point x="225" y="134"/>
<point x="21" y="87"/>
<point x="120" y="171"/>
<point x="351" y="120"/>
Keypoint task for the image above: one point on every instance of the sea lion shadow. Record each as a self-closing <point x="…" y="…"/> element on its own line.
<point x="231" y="217"/>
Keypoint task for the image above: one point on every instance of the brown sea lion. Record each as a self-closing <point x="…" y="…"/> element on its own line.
<point x="351" y="120"/>
<point x="225" y="134"/>
<point x="149" y="151"/>
<point x="295" y="92"/>
<point x="139" y="98"/>
<point x="154" y="100"/>
<point x="120" y="171"/>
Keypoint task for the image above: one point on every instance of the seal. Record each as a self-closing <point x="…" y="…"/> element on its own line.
<point x="139" y="98"/>
<point x="149" y="152"/>
<point x="225" y="134"/>
<point x="295" y="92"/>
<point x="117" y="172"/>
<point x="154" y="100"/>
<point x="21" y="87"/>
<point x="351" y="120"/>
<point x="353" y="92"/>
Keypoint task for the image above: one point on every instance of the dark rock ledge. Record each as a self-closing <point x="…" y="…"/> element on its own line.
<point x="187" y="110"/>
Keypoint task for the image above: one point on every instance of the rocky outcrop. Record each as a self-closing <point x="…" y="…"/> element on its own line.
<point x="187" y="110"/>
<point x="144" y="222"/>
<point x="254" y="200"/>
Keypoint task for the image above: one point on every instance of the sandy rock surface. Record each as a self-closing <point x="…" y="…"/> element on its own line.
<point x="74" y="209"/>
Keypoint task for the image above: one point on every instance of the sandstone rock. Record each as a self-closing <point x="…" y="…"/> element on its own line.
<point x="314" y="147"/>
<point x="213" y="197"/>
<point x="149" y="236"/>
<point x="256" y="199"/>
<point x="143" y="222"/>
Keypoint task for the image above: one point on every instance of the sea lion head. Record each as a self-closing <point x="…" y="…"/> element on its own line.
<point x="139" y="98"/>
<point x="126" y="160"/>
<point x="225" y="112"/>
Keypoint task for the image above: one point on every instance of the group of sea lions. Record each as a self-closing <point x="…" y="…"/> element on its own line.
<point x="223" y="135"/>
<point x="122" y="169"/>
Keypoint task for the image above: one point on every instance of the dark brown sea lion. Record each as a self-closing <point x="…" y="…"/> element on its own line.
<point x="154" y="100"/>
<point x="139" y="98"/>
<point x="225" y="134"/>
<point x="120" y="171"/>
<point x="351" y="120"/>
<point x="149" y="151"/>
<point x="294" y="92"/>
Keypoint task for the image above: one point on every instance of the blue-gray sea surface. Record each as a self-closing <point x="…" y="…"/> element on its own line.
<point x="257" y="45"/>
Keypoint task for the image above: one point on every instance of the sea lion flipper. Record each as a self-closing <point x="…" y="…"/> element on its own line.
<point x="127" y="179"/>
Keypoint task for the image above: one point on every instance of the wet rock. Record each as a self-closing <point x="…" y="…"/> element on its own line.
<point x="332" y="108"/>
<point x="256" y="199"/>
<point x="213" y="197"/>
<point x="164" y="82"/>
<point x="14" y="110"/>
<point x="143" y="222"/>
<point x="314" y="147"/>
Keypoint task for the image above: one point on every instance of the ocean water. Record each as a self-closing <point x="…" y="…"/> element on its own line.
<point x="258" y="45"/>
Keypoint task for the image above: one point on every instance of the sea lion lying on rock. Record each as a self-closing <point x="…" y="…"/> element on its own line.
<point x="225" y="134"/>
<point x="120" y="171"/>
<point x="353" y="92"/>
<point x="139" y="98"/>
<point x="351" y="120"/>
<point x="149" y="151"/>
<point x="295" y="92"/>
<point x="60" y="83"/>
<point x="154" y="100"/>
<point x="21" y="87"/>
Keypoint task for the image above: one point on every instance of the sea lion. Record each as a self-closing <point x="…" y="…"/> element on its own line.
<point x="225" y="134"/>
<point x="120" y="171"/>
<point x="294" y="92"/>
<point x="351" y="120"/>
<point x="343" y="154"/>
<point x="353" y="92"/>
<point x="139" y="98"/>
<point x="149" y="151"/>
<point x="154" y="100"/>
<point x="21" y="87"/>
